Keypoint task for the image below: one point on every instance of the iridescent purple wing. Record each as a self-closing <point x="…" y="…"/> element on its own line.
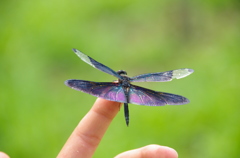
<point x="106" y="90"/>
<point x="96" y="64"/>
<point x="143" y="96"/>
<point x="162" y="76"/>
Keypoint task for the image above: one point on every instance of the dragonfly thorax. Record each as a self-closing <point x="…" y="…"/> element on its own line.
<point x="125" y="81"/>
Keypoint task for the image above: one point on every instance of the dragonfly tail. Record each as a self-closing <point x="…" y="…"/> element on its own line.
<point x="126" y="113"/>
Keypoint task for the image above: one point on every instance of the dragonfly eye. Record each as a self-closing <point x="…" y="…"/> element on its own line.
<point x="122" y="72"/>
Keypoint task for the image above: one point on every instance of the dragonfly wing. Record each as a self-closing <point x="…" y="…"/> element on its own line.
<point x="106" y="90"/>
<point x="162" y="76"/>
<point x="96" y="64"/>
<point x="143" y="96"/>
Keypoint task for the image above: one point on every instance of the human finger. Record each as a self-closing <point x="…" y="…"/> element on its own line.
<point x="3" y="155"/>
<point x="150" y="151"/>
<point x="89" y="132"/>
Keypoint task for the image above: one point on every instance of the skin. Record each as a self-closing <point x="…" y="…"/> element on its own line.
<point x="3" y="155"/>
<point x="87" y="135"/>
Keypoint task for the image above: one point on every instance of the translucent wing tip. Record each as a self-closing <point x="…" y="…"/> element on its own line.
<point x="180" y="73"/>
<point x="83" y="56"/>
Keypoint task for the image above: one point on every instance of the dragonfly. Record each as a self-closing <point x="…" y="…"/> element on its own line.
<point x="123" y="91"/>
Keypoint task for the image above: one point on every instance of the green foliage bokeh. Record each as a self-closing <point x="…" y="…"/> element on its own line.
<point x="38" y="112"/>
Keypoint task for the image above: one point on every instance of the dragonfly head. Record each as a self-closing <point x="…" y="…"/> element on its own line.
<point x="122" y="73"/>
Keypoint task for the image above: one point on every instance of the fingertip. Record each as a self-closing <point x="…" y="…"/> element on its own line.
<point x="170" y="152"/>
<point x="101" y="100"/>
<point x="107" y="107"/>
<point x="152" y="150"/>
<point x="160" y="151"/>
<point x="3" y="155"/>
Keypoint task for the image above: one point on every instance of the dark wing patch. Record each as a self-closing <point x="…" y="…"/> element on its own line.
<point x="106" y="90"/>
<point x="143" y="96"/>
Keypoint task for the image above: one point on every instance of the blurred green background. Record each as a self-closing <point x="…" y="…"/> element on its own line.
<point x="38" y="112"/>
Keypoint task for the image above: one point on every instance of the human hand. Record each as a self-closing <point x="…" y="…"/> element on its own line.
<point x="87" y="135"/>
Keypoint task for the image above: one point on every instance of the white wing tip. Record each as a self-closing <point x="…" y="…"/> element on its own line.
<point x="180" y="73"/>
